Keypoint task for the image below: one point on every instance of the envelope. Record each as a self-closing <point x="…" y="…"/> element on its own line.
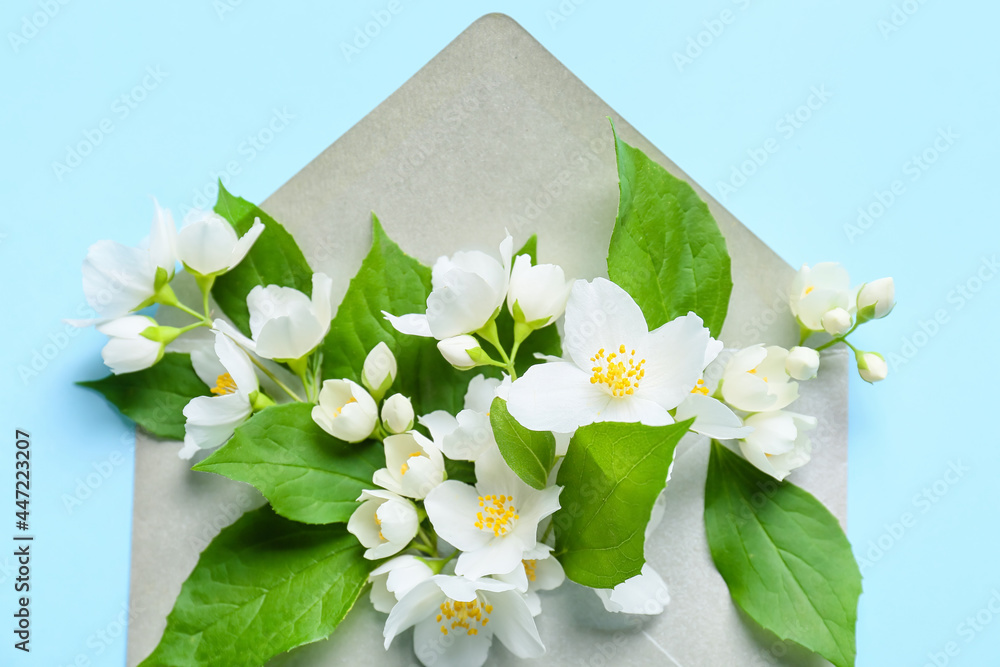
<point x="495" y="134"/>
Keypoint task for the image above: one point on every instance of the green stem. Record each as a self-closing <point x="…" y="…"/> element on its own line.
<point x="274" y="379"/>
<point x="195" y="325"/>
<point x="548" y="530"/>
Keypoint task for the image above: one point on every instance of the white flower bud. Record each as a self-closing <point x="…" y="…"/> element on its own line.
<point x="872" y="366"/>
<point x="397" y="414"/>
<point x="384" y="523"/>
<point x="379" y="371"/>
<point x="876" y="299"/>
<point x="456" y="351"/>
<point x="802" y="363"/>
<point x="836" y="321"/>
<point x="537" y="294"/>
<point x="128" y="350"/>
<point x="345" y="411"/>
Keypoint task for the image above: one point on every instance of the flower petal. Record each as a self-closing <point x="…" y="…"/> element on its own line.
<point x="600" y="314"/>
<point x="451" y="507"/>
<point x="456" y="649"/>
<point x="675" y="356"/>
<point x="414" y="324"/>
<point x="514" y="626"/>
<point x="242" y="247"/>
<point x="414" y="607"/>
<point x="556" y="397"/>
<point x="236" y="363"/>
<point x="712" y="418"/>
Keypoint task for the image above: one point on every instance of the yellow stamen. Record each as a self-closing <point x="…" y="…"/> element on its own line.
<point x="406" y="466"/>
<point x="498" y="514"/>
<point x="336" y="413"/>
<point x="810" y="289"/>
<point x="700" y="388"/>
<point x="530" y="567"/>
<point x="621" y="376"/>
<point x="224" y="384"/>
<point x="468" y="616"/>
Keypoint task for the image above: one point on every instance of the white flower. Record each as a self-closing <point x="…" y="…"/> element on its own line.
<point x="645" y="593"/>
<point x="778" y="444"/>
<point x="467" y="289"/>
<point x="414" y="465"/>
<point x="345" y="410"/>
<point x="495" y="523"/>
<point x="818" y="290"/>
<point x="755" y="379"/>
<point x="467" y="435"/>
<point x="384" y="523"/>
<point x="544" y="573"/>
<point x="877" y="298"/>
<point x="802" y="363"/>
<point x="619" y="370"/>
<point x="208" y="245"/>
<point x="397" y="414"/>
<point x="128" y="350"/>
<point x="872" y="366"/>
<point x="458" y="351"/>
<point x="285" y="323"/>
<point x="836" y="321"/>
<point x="379" y="370"/>
<point x="118" y="279"/>
<point x="456" y="619"/>
<point x="211" y="420"/>
<point x="537" y="294"/>
<point x="712" y="417"/>
<point x="394" y="579"/>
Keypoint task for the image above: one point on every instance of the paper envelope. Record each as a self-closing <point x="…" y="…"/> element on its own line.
<point x="493" y="134"/>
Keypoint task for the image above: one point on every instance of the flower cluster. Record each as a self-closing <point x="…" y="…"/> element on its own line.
<point x="576" y="398"/>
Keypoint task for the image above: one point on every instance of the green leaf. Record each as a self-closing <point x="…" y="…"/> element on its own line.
<point x="305" y="473"/>
<point x="274" y="259"/>
<point x="666" y="249"/>
<point x="155" y="398"/>
<point x="392" y="281"/>
<point x="611" y="476"/>
<point x="528" y="453"/>
<point x="784" y="557"/>
<point x="463" y="471"/>
<point x="263" y="586"/>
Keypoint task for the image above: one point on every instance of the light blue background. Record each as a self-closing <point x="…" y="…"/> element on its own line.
<point x="226" y="73"/>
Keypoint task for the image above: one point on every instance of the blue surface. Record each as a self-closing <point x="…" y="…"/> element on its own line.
<point x="888" y="90"/>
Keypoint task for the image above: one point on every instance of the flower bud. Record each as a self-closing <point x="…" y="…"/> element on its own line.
<point x="457" y="351"/>
<point x="384" y="523"/>
<point x="876" y="299"/>
<point x="345" y="411"/>
<point x="802" y="363"/>
<point x="871" y="366"/>
<point x="129" y="349"/>
<point x="397" y="414"/>
<point x="836" y="321"/>
<point x="537" y="294"/>
<point x="379" y="371"/>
